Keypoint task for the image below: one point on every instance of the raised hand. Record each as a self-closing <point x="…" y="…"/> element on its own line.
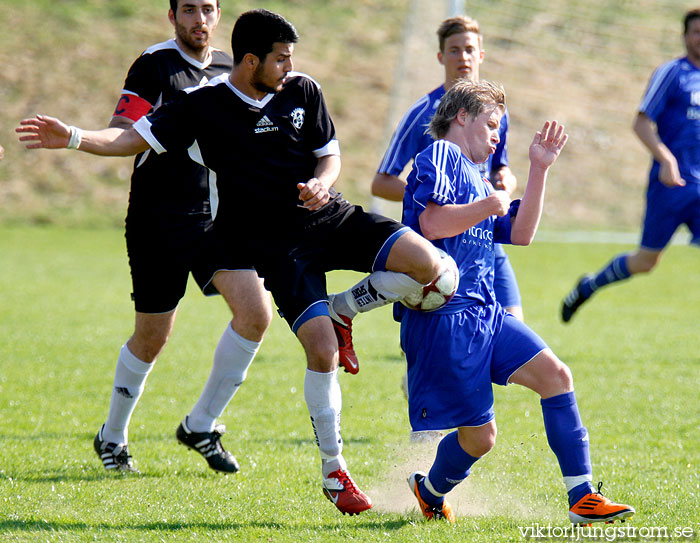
<point x="547" y="144"/>
<point x="44" y="132"/>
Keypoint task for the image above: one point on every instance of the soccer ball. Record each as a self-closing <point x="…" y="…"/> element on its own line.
<point x="440" y="291"/>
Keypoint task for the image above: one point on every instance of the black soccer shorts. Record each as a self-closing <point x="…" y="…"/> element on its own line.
<point x="162" y="253"/>
<point x="351" y="239"/>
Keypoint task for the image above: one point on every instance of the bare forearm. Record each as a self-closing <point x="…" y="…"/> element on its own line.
<point x="112" y="142"/>
<point x="388" y="187"/>
<point x="530" y="211"/>
<point x="327" y="170"/>
<point x="450" y="220"/>
<point x="645" y="130"/>
<point x="44" y="132"/>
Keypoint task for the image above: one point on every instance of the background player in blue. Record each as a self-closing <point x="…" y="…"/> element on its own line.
<point x="461" y="53"/>
<point x="668" y="124"/>
<point x="169" y="234"/>
<point x="455" y="353"/>
<point x="270" y="146"/>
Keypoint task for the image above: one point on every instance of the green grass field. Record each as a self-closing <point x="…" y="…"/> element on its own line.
<point x="65" y="311"/>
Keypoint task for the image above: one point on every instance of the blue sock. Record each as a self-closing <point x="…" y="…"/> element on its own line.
<point x="450" y="468"/>
<point x="616" y="270"/>
<point x="568" y="439"/>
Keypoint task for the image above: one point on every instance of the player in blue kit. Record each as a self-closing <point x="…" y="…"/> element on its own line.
<point x="668" y="124"/>
<point x="461" y="53"/>
<point x="455" y="353"/>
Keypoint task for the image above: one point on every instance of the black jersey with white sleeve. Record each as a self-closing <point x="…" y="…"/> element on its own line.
<point x="169" y="184"/>
<point x="257" y="151"/>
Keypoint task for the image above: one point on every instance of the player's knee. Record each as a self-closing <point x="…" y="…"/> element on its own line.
<point x="643" y="261"/>
<point x="647" y="264"/>
<point x="482" y="443"/>
<point x="147" y="347"/>
<point x="429" y="265"/>
<point x="253" y="324"/>
<point x="561" y="379"/>
<point x="478" y="441"/>
<point x="483" y="446"/>
<point x="322" y="357"/>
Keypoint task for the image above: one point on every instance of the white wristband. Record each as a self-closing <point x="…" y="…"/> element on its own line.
<point x="76" y="136"/>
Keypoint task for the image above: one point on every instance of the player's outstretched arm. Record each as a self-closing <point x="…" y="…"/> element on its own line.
<point x="544" y="150"/>
<point x="44" y="132"/>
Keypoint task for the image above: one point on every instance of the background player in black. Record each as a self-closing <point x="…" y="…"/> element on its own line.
<point x="169" y="233"/>
<point x="272" y="147"/>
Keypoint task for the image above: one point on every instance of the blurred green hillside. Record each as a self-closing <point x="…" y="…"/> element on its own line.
<point x="585" y="63"/>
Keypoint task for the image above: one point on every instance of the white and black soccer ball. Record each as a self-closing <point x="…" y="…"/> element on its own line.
<point x="440" y="291"/>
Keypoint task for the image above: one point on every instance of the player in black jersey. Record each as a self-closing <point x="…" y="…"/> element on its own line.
<point x="169" y="234"/>
<point x="272" y="151"/>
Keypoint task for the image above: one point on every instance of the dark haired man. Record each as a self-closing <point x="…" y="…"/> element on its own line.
<point x="668" y="124"/>
<point x="169" y="234"/>
<point x="272" y="151"/>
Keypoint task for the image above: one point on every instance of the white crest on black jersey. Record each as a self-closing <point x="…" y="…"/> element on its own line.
<point x="298" y="117"/>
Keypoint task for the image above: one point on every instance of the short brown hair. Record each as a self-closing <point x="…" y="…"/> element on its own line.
<point x="457" y="25"/>
<point x="471" y="96"/>
<point x="689" y="18"/>
<point x="174" y="4"/>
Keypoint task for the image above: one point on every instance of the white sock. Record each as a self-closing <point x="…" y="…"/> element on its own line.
<point x="324" y="401"/>
<point x="232" y="358"/>
<point x="376" y="290"/>
<point x="329" y="465"/>
<point x="129" y="382"/>
<point x="573" y="482"/>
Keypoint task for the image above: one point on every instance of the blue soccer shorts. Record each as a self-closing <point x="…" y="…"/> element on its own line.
<point x="453" y="359"/>
<point x="667" y="209"/>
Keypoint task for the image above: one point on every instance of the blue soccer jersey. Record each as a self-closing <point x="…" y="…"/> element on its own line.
<point x="411" y="138"/>
<point x="442" y="174"/>
<point x="455" y="353"/>
<point x="672" y="101"/>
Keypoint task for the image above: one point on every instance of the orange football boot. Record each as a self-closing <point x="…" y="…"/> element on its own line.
<point x="594" y="507"/>
<point x="443" y="511"/>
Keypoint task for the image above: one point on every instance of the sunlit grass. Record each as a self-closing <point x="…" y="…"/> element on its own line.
<point x="65" y="312"/>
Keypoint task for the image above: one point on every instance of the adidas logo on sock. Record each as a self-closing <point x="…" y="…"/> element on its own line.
<point x="123" y="391"/>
